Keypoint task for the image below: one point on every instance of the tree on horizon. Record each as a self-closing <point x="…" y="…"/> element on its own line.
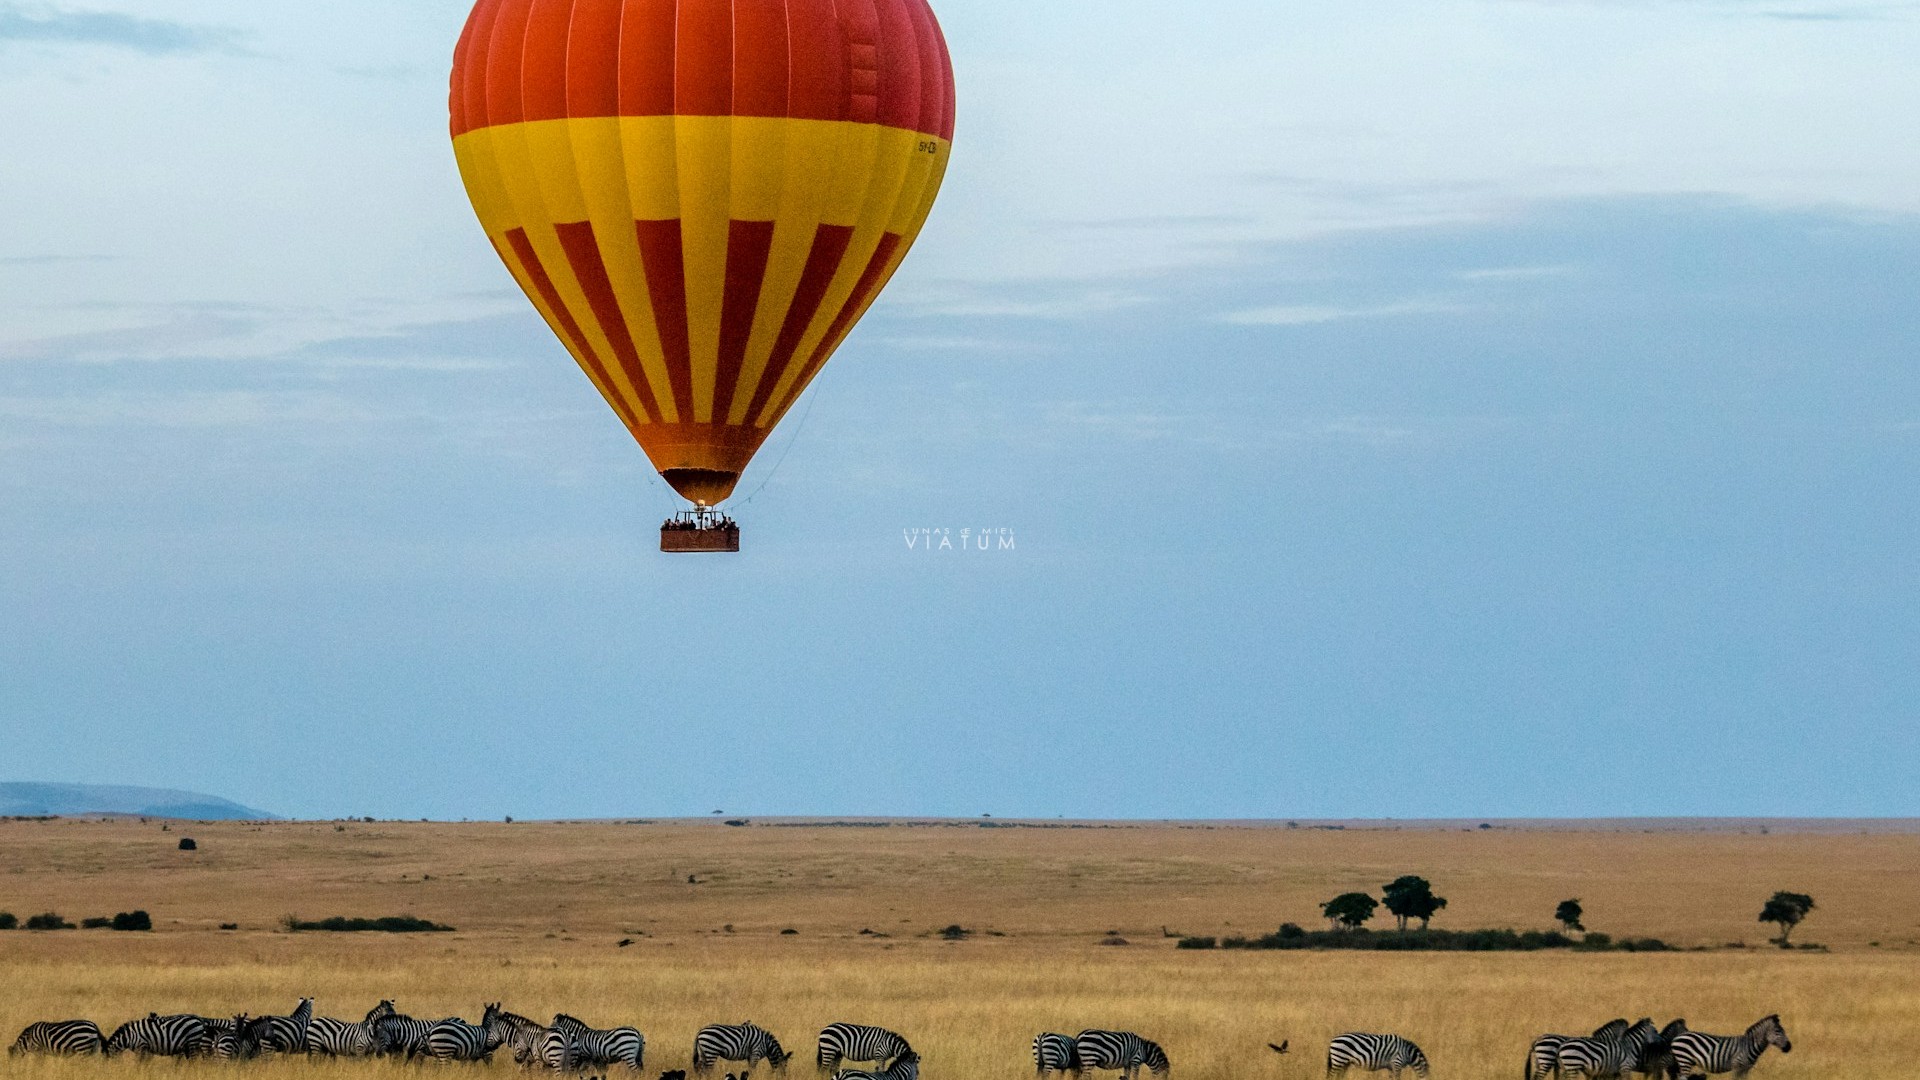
<point x="1411" y="897"/>
<point x="1349" y="911"/>
<point x="1568" y="915"/>
<point x="1786" y="909"/>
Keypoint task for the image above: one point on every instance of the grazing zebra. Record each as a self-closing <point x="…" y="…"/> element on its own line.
<point x="596" y="1046"/>
<point x="457" y="1040"/>
<point x="227" y="1040"/>
<point x="339" y="1038"/>
<point x="1054" y="1052"/>
<point x="1123" y="1050"/>
<point x="1695" y="1053"/>
<point x="1609" y="1057"/>
<point x="904" y="1067"/>
<point x="281" y="1034"/>
<point x="1373" y="1053"/>
<point x="1543" y="1058"/>
<point x="857" y="1042"/>
<point x="401" y="1034"/>
<point x="736" y="1042"/>
<point x="160" y="1036"/>
<point x="59" y="1037"/>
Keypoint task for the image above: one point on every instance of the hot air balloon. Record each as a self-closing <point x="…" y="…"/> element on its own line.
<point x="702" y="197"/>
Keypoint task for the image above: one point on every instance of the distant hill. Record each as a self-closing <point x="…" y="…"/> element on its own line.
<point x="75" y="800"/>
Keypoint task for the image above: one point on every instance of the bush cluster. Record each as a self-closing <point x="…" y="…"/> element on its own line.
<point x="1291" y="936"/>
<point x="391" y="924"/>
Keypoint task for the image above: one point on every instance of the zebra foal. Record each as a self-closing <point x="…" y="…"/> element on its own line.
<point x="1375" y="1053"/>
<point x="904" y="1067"/>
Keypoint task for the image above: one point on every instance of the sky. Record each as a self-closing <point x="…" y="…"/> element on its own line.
<point x="1399" y="408"/>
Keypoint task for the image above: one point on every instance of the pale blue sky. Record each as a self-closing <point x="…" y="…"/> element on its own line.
<point x="1402" y="408"/>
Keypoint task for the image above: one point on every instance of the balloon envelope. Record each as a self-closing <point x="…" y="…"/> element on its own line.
<point x="702" y="197"/>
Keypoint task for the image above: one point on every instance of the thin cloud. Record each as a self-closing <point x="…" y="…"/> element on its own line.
<point x="1314" y="314"/>
<point x="155" y="37"/>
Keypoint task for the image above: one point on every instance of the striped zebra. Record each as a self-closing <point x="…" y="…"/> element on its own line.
<point x="158" y="1036"/>
<point x="857" y="1042"/>
<point x="521" y="1036"/>
<point x="281" y="1034"/>
<point x="1611" y="1057"/>
<point x="904" y="1067"/>
<point x="736" y="1042"/>
<point x="1373" y="1053"/>
<point x="1695" y="1053"/>
<point x="59" y="1037"/>
<point x="1658" y="1059"/>
<point x="400" y="1034"/>
<point x="226" y="1039"/>
<point x="341" y="1038"/>
<point x="1543" y="1057"/>
<point x="457" y="1040"/>
<point x="1054" y="1052"/>
<point x="596" y="1046"/>
<point x="1123" y="1050"/>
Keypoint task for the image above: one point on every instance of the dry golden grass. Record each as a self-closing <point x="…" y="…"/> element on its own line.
<point x="539" y="907"/>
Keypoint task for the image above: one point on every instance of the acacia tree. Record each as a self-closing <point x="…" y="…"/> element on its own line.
<point x="1786" y="909"/>
<point x="1568" y="915"/>
<point x="1411" y="897"/>
<point x="1349" y="911"/>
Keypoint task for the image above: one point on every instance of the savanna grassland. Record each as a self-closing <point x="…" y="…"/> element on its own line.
<point x="539" y="909"/>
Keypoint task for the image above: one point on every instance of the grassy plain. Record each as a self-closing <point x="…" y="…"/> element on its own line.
<point x="539" y="908"/>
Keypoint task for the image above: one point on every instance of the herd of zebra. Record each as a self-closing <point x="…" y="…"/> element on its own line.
<point x="1614" y="1051"/>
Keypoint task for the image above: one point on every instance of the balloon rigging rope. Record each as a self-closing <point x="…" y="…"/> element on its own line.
<point x="812" y="396"/>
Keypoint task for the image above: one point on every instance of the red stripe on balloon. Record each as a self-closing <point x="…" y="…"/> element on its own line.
<point x="583" y="254"/>
<point x="569" y="326"/>
<point x="663" y="255"/>
<point x="748" y="245"/>
<point x="868" y="287"/>
<point x="506" y="66"/>
<point x="593" y="58"/>
<point x="823" y="262"/>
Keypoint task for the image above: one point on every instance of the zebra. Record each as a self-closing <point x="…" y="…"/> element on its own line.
<point x="904" y="1067"/>
<point x="227" y="1040"/>
<point x="282" y="1034"/>
<point x="1123" y="1050"/>
<point x="457" y="1040"/>
<point x="1054" y="1052"/>
<point x="521" y="1035"/>
<point x="339" y="1038"/>
<point x="736" y="1042"/>
<point x="1543" y="1058"/>
<point x="1695" y="1053"/>
<point x="595" y="1046"/>
<point x="1373" y="1053"/>
<point x="400" y="1034"/>
<point x="857" y="1042"/>
<point x="1657" y="1061"/>
<point x="160" y="1036"/>
<point x="59" y="1037"/>
<point x="1612" y="1056"/>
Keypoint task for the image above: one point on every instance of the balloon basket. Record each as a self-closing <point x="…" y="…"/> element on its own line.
<point x="702" y="529"/>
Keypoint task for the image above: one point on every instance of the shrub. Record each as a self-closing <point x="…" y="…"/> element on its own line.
<point x="956" y="932"/>
<point x="1194" y="943"/>
<point x="391" y="924"/>
<point x="98" y="923"/>
<point x="1290" y="931"/>
<point x="48" y="921"/>
<point x="133" y="920"/>
<point x="187" y="844"/>
<point x="1598" y="941"/>
<point x="8" y="920"/>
